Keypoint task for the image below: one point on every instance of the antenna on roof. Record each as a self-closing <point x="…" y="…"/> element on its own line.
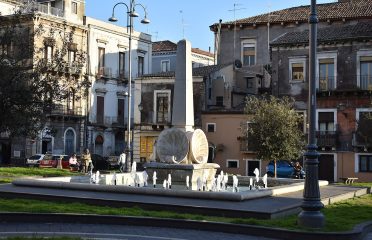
<point x="156" y="35"/>
<point x="183" y="24"/>
<point x="234" y="10"/>
<point x="269" y="15"/>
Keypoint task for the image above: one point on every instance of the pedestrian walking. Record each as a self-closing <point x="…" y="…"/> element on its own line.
<point x="121" y="162"/>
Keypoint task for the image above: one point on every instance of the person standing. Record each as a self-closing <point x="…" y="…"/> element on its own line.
<point x="298" y="170"/>
<point x="87" y="160"/>
<point x="121" y="162"/>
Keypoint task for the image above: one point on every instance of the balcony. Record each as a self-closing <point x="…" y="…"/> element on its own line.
<point x="326" y="83"/>
<point x="103" y="72"/>
<point x="326" y="140"/>
<point x="73" y="68"/>
<point x="246" y="144"/>
<point x="43" y="8"/>
<point x="366" y="82"/>
<point x="122" y="76"/>
<point x="107" y="121"/>
<point x="61" y="110"/>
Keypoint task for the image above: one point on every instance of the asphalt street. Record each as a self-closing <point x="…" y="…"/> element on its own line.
<point x="99" y="231"/>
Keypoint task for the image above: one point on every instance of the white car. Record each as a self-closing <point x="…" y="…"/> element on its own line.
<point x="34" y="160"/>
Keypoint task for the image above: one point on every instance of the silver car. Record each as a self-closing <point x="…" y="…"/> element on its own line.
<point x="34" y="160"/>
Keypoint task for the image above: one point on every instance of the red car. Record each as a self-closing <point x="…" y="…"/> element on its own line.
<point x="51" y="161"/>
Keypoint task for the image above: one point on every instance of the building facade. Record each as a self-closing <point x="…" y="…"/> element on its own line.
<point x="108" y="72"/>
<point x="245" y="44"/>
<point x="344" y="84"/>
<point x="60" y="45"/>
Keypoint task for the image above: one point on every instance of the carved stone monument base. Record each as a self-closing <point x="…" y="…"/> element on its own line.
<point x="179" y="172"/>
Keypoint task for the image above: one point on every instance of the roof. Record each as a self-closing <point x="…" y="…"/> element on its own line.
<point x="164" y="46"/>
<point x="168" y="46"/>
<point x="359" y="31"/>
<point x="196" y="72"/>
<point x="348" y="9"/>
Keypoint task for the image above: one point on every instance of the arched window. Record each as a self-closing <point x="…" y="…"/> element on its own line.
<point x="69" y="142"/>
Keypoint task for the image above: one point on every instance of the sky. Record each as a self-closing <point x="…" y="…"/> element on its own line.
<point x="188" y="19"/>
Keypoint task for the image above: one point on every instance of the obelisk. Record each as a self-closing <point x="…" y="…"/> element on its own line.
<point x="183" y="102"/>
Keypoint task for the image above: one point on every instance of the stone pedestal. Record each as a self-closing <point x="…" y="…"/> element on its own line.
<point x="179" y="172"/>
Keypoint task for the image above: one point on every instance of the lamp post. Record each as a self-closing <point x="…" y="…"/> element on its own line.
<point x="131" y="13"/>
<point x="310" y="216"/>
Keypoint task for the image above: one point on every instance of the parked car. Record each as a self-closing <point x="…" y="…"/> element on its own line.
<point x="51" y="161"/>
<point x="284" y="169"/>
<point x="34" y="160"/>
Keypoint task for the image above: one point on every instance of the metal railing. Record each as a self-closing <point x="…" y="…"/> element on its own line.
<point x="121" y="75"/>
<point x="366" y="82"/>
<point x="43" y="8"/>
<point x="326" y="138"/>
<point x="64" y="110"/>
<point x="326" y="83"/>
<point x="103" y="72"/>
<point x="109" y="121"/>
<point x="246" y="144"/>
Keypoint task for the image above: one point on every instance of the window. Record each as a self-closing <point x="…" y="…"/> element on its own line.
<point x="121" y="65"/>
<point x="71" y="100"/>
<point x="366" y="72"/>
<point x="297" y="69"/>
<point x="100" y="109"/>
<point x="6" y="49"/>
<point x="219" y="101"/>
<point x="249" y="52"/>
<point x="165" y="66"/>
<point x="326" y="71"/>
<point x="247" y="142"/>
<point x="101" y="57"/>
<point x="71" y="56"/>
<point x="162" y="106"/>
<point x="232" y="163"/>
<point x="120" y="112"/>
<point x="365" y="163"/>
<point x="101" y="60"/>
<point x="326" y="122"/>
<point x="74" y="7"/>
<point x="48" y="53"/>
<point x="211" y="127"/>
<point x="141" y="62"/>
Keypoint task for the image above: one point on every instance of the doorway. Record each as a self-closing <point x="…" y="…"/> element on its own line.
<point x="326" y="167"/>
<point x="251" y="166"/>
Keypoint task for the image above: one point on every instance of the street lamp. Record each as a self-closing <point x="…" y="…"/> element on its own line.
<point x="131" y="13"/>
<point x="310" y="216"/>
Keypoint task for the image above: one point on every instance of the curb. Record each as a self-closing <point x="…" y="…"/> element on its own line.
<point x="358" y="232"/>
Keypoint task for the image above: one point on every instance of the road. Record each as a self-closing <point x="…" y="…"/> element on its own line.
<point x="99" y="231"/>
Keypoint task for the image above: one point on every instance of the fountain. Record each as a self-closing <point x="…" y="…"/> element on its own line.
<point x="182" y="151"/>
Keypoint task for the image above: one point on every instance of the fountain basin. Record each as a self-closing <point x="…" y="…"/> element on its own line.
<point x="82" y="183"/>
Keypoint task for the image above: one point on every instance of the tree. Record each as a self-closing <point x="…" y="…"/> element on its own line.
<point x="274" y="132"/>
<point x="31" y="84"/>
